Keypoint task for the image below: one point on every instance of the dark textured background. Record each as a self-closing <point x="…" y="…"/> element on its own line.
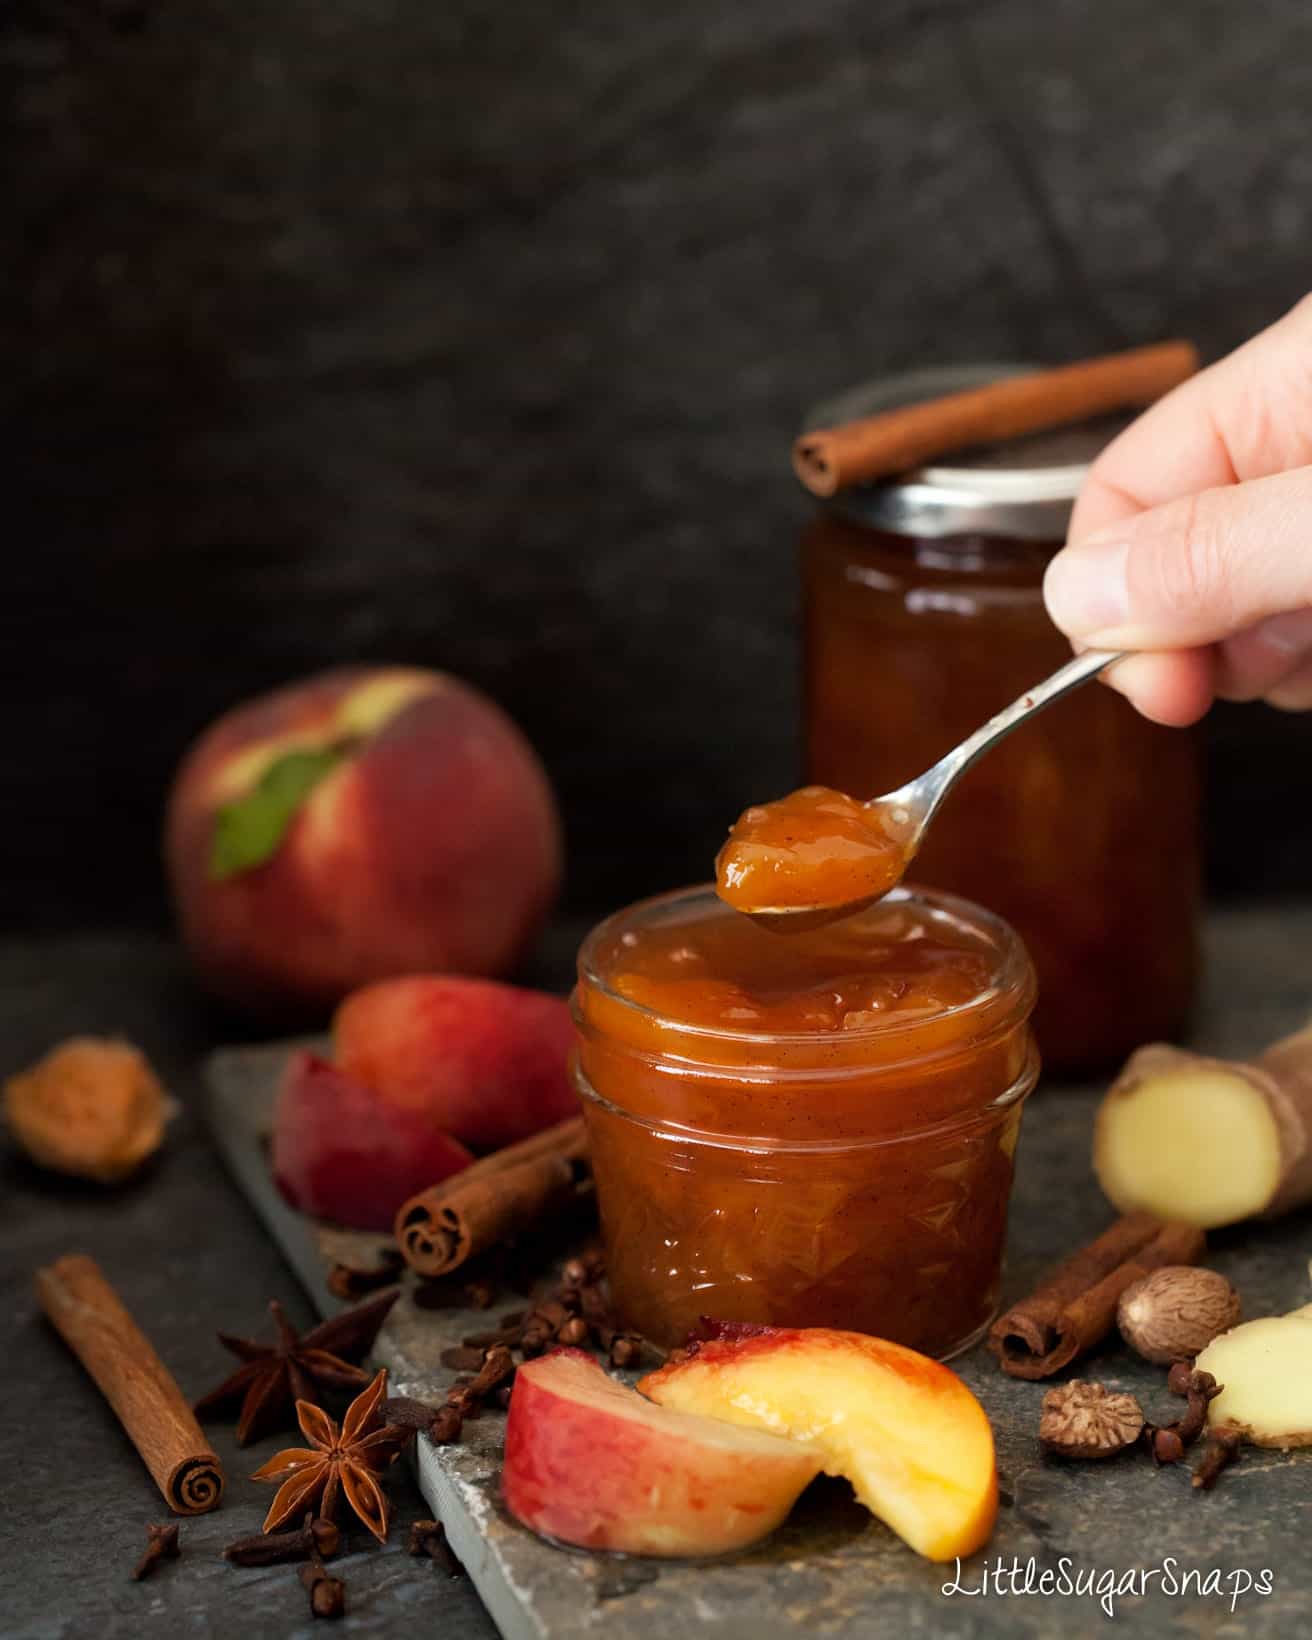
<point x="475" y="334"/>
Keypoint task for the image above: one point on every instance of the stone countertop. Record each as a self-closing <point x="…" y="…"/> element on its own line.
<point x="188" y="1255"/>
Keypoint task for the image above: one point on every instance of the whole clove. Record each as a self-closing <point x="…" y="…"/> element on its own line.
<point x="462" y="1358"/>
<point x="1169" y="1442"/>
<point x="461" y="1399"/>
<point x="1223" y="1448"/>
<point x="428" y="1537"/>
<point x="575" y="1332"/>
<point x="313" y="1536"/>
<point x="480" y="1295"/>
<point x="497" y="1365"/>
<point x="327" y="1593"/>
<point x="351" y="1281"/>
<point x="162" y="1544"/>
<point x="441" y="1424"/>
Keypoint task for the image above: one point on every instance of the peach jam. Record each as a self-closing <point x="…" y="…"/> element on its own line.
<point x="811" y="1131"/>
<point x="812" y="849"/>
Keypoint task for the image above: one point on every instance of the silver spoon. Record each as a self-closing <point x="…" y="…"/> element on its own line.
<point x="907" y="812"/>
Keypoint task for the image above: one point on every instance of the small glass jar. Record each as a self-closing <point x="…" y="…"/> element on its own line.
<point x="854" y="1177"/>
<point x="923" y="615"/>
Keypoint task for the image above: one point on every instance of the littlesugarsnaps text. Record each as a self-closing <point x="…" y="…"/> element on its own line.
<point x="1015" y="1578"/>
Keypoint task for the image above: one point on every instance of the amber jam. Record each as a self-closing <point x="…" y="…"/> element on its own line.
<point x="814" y="848"/>
<point x="811" y="1131"/>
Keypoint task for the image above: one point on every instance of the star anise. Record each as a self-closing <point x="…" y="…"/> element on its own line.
<point x="296" y="1368"/>
<point x="348" y="1459"/>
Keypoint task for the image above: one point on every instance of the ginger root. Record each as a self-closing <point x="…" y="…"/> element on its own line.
<point x="1265" y="1370"/>
<point x="92" y="1107"/>
<point x="1208" y="1141"/>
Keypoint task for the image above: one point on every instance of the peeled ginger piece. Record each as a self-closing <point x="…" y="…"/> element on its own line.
<point x="1265" y="1367"/>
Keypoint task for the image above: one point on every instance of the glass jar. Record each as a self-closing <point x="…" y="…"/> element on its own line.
<point x="923" y="615"/>
<point x="852" y="1172"/>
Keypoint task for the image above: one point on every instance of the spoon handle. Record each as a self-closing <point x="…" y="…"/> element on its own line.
<point x="1075" y="672"/>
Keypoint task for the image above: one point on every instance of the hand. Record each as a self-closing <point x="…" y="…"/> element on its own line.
<point x="1192" y="538"/>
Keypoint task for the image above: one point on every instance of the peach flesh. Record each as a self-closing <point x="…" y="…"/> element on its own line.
<point x="904" y="1430"/>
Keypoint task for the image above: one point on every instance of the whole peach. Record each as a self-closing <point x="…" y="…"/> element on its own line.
<point x="426" y="838"/>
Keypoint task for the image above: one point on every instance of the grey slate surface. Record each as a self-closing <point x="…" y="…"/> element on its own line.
<point x="475" y="334"/>
<point x="219" y="1268"/>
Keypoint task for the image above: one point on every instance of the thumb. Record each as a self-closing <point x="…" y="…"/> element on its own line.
<point x="1190" y="572"/>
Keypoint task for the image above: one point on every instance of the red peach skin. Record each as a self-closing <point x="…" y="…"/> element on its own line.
<point x="340" y="1153"/>
<point x="589" y="1462"/>
<point x="434" y="845"/>
<point x="487" y="1062"/>
<point x="907" y="1433"/>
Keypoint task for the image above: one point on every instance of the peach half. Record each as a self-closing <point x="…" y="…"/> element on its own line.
<point x="590" y="1463"/>
<point x="904" y="1430"/>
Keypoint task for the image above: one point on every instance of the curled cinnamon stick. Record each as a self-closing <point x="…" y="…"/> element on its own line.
<point x="830" y="459"/>
<point x="96" y="1326"/>
<point x="447" y="1224"/>
<point x="1076" y="1305"/>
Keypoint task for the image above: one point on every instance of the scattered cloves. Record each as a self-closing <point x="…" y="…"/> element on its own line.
<point x="1169" y="1442"/>
<point x="313" y="1536"/>
<point x="440" y="1424"/>
<point x="1222" y="1449"/>
<point x="162" y="1545"/>
<point x="327" y="1593"/>
<point x="428" y="1537"/>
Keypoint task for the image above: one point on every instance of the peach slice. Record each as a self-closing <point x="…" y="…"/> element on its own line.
<point x="907" y="1433"/>
<point x="589" y="1462"/>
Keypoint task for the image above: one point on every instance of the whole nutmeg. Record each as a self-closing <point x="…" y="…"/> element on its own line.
<point x="92" y="1107"/>
<point x="1175" y="1312"/>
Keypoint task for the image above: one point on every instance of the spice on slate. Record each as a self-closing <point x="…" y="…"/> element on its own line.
<point x="352" y="1281"/>
<point x="348" y="1459"/>
<point x="441" y="1424"/>
<point x="1081" y="1420"/>
<point x="162" y="1545"/>
<point x="327" y="1593"/>
<point x="314" y="1536"/>
<point x="428" y="1537"/>
<point x="1222" y="1449"/>
<point x="462" y="1357"/>
<point x="1169" y="1442"/>
<point x="298" y="1367"/>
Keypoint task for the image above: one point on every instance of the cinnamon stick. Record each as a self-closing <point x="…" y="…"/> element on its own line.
<point x="1076" y="1305"/>
<point x="830" y="459"/>
<point x="97" y="1327"/>
<point x="509" y="1191"/>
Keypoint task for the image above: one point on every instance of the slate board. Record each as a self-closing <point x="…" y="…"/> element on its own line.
<point x="831" y="1571"/>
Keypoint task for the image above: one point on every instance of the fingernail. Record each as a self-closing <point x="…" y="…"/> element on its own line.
<point x="1289" y="634"/>
<point x="1085" y="587"/>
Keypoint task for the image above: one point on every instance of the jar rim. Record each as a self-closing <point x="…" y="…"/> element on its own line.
<point x="1014" y="975"/>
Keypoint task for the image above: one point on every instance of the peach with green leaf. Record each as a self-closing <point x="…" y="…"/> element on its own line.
<point x="362" y="823"/>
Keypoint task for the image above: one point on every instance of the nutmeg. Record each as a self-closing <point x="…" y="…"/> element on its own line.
<point x="92" y="1107"/>
<point x="1175" y="1312"/>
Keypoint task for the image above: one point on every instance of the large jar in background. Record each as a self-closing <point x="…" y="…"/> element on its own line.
<point x="923" y="615"/>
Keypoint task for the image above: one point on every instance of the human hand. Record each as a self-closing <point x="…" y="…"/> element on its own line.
<point x="1192" y="538"/>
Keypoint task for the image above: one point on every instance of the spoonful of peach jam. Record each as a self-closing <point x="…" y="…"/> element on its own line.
<point x="817" y="855"/>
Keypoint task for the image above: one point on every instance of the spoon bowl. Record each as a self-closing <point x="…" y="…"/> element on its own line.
<point x="901" y="818"/>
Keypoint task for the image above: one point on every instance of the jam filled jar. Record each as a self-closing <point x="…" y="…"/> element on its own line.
<point x="806" y="1130"/>
<point x="923" y="615"/>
